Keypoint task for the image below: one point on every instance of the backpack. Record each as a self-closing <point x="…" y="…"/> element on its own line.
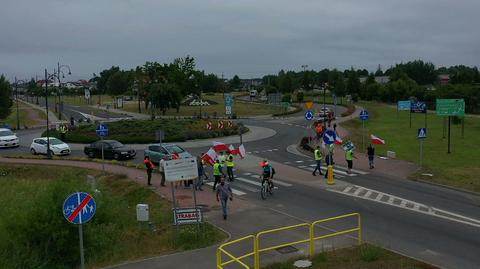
<point x="273" y="171"/>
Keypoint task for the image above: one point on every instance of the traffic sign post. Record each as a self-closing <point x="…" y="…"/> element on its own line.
<point x="421" y="135"/>
<point x="363" y="116"/>
<point x="79" y="208"/>
<point x="450" y="107"/>
<point x="160" y="135"/>
<point x="418" y="107"/>
<point x="329" y="137"/>
<point x="228" y="104"/>
<point x="309" y="115"/>
<point x="102" y="131"/>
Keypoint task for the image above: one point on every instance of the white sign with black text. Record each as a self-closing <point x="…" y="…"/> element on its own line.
<point x="181" y="169"/>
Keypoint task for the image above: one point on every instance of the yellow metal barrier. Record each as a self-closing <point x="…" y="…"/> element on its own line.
<point x="311" y="240"/>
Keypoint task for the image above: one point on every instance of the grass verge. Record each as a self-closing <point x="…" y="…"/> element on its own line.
<point x="362" y="257"/>
<point x="29" y="116"/>
<point x="35" y="234"/>
<point x="458" y="169"/>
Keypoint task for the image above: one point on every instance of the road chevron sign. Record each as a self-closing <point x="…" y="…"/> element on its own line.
<point x="220" y="124"/>
<point x="209" y="125"/>
<point x="229" y="123"/>
<point x="79" y="207"/>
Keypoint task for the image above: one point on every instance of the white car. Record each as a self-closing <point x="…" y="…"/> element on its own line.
<point x="57" y="146"/>
<point x="8" y="138"/>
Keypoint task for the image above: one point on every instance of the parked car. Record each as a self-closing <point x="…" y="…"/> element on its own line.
<point x="8" y="138"/>
<point x="112" y="149"/>
<point x="158" y="151"/>
<point x="57" y="146"/>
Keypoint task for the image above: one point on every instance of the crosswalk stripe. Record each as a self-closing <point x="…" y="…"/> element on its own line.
<point x="236" y="192"/>
<point x="249" y="181"/>
<point x="347" y="189"/>
<point x="367" y="194"/>
<point x="247" y="174"/>
<point x="345" y="168"/>
<point x="335" y="171"/>
<point x="357" y="191"/>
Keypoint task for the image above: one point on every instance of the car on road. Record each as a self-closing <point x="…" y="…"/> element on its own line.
<point x="57" y="146"/>
<point x="112" y="149"/>
<point x="8" y="138"/>
<point x="325" y="113"/>
<point x="158" y="151"/>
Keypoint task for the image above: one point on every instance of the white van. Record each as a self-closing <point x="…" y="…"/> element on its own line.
<point x="253" y="93"/>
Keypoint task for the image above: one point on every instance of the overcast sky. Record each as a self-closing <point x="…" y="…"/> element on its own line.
<point x="245" y="37"/>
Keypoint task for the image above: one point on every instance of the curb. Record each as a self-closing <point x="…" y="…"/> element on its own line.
<point x="477" y="194"/>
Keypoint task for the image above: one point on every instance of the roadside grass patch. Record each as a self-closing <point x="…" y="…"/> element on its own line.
<point x="36" y="235"/>
<point x="458" y="169"/>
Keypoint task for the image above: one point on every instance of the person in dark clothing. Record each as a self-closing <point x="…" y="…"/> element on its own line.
<point x="149" y="165"/>
<point x="371" y="155"/>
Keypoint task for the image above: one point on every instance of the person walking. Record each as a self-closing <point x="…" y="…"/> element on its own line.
<point x="161" y="169"/>
<point x="349" y="159"/>
<point x="318" y="159"/>
<point x="371" y="155"/>
<point x="224" y="192"/>
<point x="335" y="127"/>
<point x="217" y="173"/>
<point x="149" y="165"/>
<point x="199" y="183"/>
<point x="230" y="165"/>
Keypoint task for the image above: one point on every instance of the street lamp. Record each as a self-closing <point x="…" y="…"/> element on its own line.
<point x="59" y="69"/>
<point x="47" y="77"/>
<point x="16" y="97"/>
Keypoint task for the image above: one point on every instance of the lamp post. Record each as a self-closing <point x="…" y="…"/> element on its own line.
<point x="47" y="77"/>
<point x="60" y="103"/>
<point x="16" y="98"/>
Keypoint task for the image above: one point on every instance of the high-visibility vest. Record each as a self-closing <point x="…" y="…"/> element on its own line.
<point x="217" y="169"/>
<point x="318" y="155"/>
<point x="230" y="163"/>
<point x="349" y="155"/>
<point x="222" y="158"/>
<point x="63" y="129"/>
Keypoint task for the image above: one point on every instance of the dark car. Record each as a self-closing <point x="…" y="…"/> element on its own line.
<point x="112" y="149"/>
<point x="165" y="151"/>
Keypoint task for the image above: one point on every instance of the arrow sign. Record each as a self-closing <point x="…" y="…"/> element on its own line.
<point x="422" y="133"/>
<point x="209" y="125"/>
<point x="329" y="137"/>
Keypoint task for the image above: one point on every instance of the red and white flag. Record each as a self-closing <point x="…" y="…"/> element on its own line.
<point x="377" y="140"/>
<point x="231" y="149"/>
<point x="218" y="146"/>
<point x="241" y="151"/>
<point x="338" y="140"/>
<point x="210" y="156"/>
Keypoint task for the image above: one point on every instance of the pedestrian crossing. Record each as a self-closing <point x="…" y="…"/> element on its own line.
<point x="339" y="171"/>
<point x="249" y="182"/>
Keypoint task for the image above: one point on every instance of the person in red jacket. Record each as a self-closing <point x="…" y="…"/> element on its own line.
<point x="149" y="165"/>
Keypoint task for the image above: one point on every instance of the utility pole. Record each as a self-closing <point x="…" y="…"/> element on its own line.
<point x="49" y="154"/>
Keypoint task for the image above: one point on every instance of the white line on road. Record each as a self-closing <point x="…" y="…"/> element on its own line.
<point x="236" y="192"/>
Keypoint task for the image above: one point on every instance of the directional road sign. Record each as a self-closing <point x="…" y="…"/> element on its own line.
<point x="363" y="115"/>
<point x="79" y="207"/>
<point x="329" y="137"/>
<point x="422" y="133"/>
<point x="450" y="107"/>
<point x="418" y="107"/>
<point x="404" y="105"/>
<point x="102" y="130"/>
<point x="309" y="115"/>
<point x="228" y="100"/>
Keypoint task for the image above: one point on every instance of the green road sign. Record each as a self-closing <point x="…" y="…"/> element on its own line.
<point x="285" y="104"/>
<point x="450" y="107"/>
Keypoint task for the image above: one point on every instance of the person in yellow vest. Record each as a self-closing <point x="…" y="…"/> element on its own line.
<point x="349" y="158"/>
<point x="317" y="154"/>
<point x="63" y="131"/>
<point x="217" y="173"/>
<point x="230" y="165"/>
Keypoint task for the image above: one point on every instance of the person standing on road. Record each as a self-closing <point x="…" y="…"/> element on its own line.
<point x="371" y="155"/>
<point x="224" y="192"/>
<point x="318" y="159"/>
<point x="217" y="173"/>
<point x="149" y="165"/>
<point x="230" y="165"/>
<point x="161" y="169"/>
<point x="199" y="183"/>
<point x="349" y="159"/>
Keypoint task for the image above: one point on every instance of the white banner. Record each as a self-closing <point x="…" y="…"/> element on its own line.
<point x="181" y="169"/>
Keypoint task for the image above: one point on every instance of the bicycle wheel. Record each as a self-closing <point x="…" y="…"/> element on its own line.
<point x="263" y="192"/>
<point x="270" y="189"/>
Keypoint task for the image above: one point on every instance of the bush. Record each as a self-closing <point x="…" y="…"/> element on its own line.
<point x="350" y="110"/>
<point x="369" y="253"/>
<point x="296" y="110"/>
<point x="300" y="97"/>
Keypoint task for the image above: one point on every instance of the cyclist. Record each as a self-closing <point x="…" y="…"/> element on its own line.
<point x="267" y="173"/>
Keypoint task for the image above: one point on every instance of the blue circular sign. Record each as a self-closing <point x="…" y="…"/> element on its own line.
<point x="329" y="137"/>
<point x="309" y="115"/>
<point x="363" y="115"/>
<point x="79" y="207"/>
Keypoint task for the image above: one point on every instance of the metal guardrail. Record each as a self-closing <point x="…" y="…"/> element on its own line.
<point x="257" y="250"/>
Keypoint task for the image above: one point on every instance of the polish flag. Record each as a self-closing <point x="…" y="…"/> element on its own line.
<point x="338" y="140"/>
<point x="218" y="146"/>
<point x="241" y="151"/>
<point x="231" y="149"/>
<point x="210" y="156"/>
<point x="377" y="140"/>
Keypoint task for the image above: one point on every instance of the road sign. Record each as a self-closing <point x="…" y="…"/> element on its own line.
<point x="348" y="146"/>
<point x="404" y="105"/>
<point x="309" y="105"/>
<point x="450" y="107"/>
<point x="181" y="169"/>
<point x="220" y="124"/>
<point x="102" y="130"/>
<point x="422" y="133"/>
<point x="329" y="137"/>
<point x="363" y="115"/>
<point x="79" y="208"/>
<point x="187" y="215"/>
<point x="229" y="124"/>
<point x="228" y="100"/>
<point x="418" y="107"/>
<point x="228" y="110"/>
<point x="209" y="125"/>
<point x="87" y="94"/>
<point x="309" y="115"/>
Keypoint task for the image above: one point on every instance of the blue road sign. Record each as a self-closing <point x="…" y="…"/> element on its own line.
<point x="79" y="207"/>
<point x="228" y="100"/>
<point x="404" y="105"/>
<point x="363" y="115"/>
<point x="309" y="115"/>
<point x="329" y="137"/>
<point x="422" y="133"/>
<point x="418" y="107"/>
<point x="102" y="130"/>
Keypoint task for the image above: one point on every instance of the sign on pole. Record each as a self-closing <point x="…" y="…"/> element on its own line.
<point x="220" y="124"/>
<point x="87" y="94"/>
<point x="209" y="125"/>
<point x="79" y="208"/>
<point x="160" y="135"/>
<point x="309" y="115"/>
<point x="181" y="169"/>
<point x="228" y="104"/>
<point x="422" y="133"/>
<point x="329" y="137"/>
<point x="309" y="105"/>
<point x="348" y="146"/>
<point x="418" y="107"/>
<point x="187" y="216"/>
<point x="450" y="107"/>
<point x="364" y="115"/>
<point x="102" y="130"/>
<point x="404" y="105"/>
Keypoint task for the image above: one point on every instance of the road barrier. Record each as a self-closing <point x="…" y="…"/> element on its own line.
<point x="257" y="250"/>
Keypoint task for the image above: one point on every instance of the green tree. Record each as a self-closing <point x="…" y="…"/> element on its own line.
<point x="285" y="83"/>
<point x="300" y="97"/>
<point x="379" y="71"/>
<point x="119" y="83"/>
<point x="353" y="83"/>
<point x="103" y="79"/>
<point x="235" y="82"/>
<point x="5" y="97"/>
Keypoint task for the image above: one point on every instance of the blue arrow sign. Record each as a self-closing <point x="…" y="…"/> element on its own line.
<point x="329" y="137"/>
<point x="363" y="115"/>
<point x="79" y="207"/>
<point x="422" y="133"/>
<point x="309" y="115"/>
<point x="102" y="130"/>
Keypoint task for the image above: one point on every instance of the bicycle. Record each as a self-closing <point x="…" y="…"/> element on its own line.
<point x="266" y="188"/>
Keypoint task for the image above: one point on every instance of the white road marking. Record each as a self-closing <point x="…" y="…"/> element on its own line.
<point x="367" y="194"/>
<point x="347" y="189"/>
<point x="275" y="149"/>
<point x="236" y="192"/>
<point x="247" y="174"/>
<point x="256" y="183"/>
<point x="301" y="166"/>
<point x="299" y="161"/>
<point x="357" y="191"/>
